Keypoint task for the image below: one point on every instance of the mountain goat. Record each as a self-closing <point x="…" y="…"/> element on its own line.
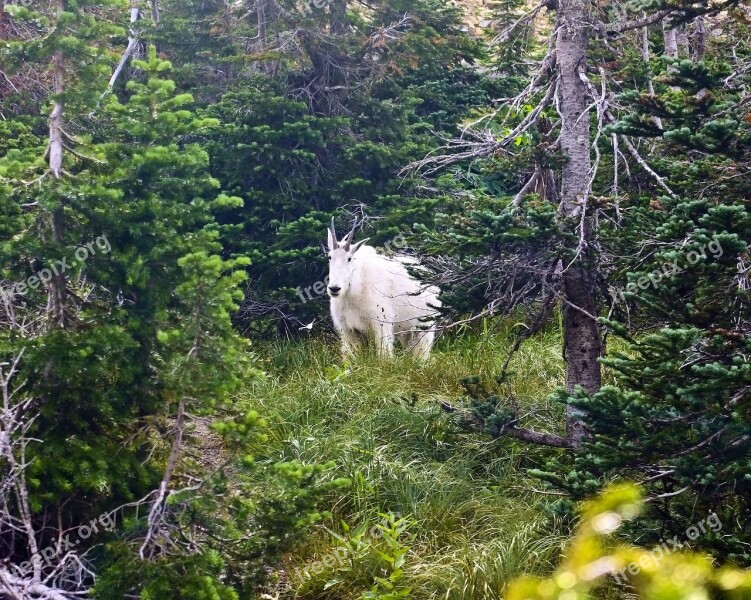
<point x="374" y="295"/>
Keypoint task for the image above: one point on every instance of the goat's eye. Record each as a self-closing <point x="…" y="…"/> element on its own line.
<point x="349" y="259"/>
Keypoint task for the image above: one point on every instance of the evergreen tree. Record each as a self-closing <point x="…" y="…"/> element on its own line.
<point x="323" y="124"/>
<point x="146" y="341"/>
<point x="676" y="417"/>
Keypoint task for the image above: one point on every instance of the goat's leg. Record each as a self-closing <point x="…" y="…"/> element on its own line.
<point x="422" y="342"/>
<point x="350" y="344"/>
<point x="384" y="334"/>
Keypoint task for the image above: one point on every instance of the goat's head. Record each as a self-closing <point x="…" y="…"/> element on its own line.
<point x="342" y="262"/>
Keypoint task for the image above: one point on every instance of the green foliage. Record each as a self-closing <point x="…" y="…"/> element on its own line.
<point x="676" y="417"/>
<point x="312" y="140"/>
<point x="592" y="557"/>
<point x="391" y="586"/>
<point x="149" y="328"/>
<point x="381" y="425"/>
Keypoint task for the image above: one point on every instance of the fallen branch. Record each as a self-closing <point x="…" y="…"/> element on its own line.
<point x="527" y="435"/>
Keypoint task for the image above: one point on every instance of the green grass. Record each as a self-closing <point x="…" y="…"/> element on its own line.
<point x="476" y="520"/>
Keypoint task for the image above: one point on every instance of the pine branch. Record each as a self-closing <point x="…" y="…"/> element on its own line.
<point x="534" y="437"/>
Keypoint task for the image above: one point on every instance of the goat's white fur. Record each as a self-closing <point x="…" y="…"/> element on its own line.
<point x="377" y="296"/>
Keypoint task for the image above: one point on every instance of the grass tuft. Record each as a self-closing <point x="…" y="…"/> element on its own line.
<point x="474" y="519"/>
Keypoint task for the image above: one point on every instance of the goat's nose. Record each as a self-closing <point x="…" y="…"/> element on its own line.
<point x="335" y="289"/>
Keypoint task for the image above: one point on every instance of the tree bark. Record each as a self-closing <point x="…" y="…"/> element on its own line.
<point x="700" y="39"/>
<point x="582" y="340"/>
<point x="57" y="286"/>
<point x="339" y="22"/>
<point x="670" y="36"/>
<point x="56" y="116"/>
<point x="261" y="15"/>
<point x="132" y="43"/>
<point x="645" y="57"/>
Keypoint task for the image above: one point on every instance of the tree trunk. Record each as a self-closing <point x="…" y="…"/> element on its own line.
<point x="582" y="341"/>
<point x="57" y="285"/>
<point x="645" y="57"/>
<point x="339" y="22"/>
<point x="261" y="16"/>
<point x="135" y="13"/>
<point x="670" y="36"/>
<point x="700" y="39"/>
<point x="56" y="116"/>
<point x="263" y="12"/>
<point x="154" y="12"/>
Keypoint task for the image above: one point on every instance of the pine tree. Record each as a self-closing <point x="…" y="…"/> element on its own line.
<point x="676" y="417"/>
<point x="146" y="341"/>
<point x="328" y="133"/>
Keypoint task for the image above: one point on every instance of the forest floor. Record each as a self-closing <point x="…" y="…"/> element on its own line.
<point x="473" y="517"/>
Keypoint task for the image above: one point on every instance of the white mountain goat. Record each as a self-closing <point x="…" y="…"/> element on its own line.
<point x="374" y="295"/>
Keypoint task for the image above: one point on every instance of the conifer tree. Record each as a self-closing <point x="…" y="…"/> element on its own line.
<point x="146" y="341"/>
<point x="676" y="417"/>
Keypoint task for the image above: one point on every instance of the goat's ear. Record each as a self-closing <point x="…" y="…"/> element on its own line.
<point x="358" y="245"/>
<point x="332" y="240"/>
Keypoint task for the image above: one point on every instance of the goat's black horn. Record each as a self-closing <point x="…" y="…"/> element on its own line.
<point x="333" y="234"/>
<point x="350" y="238"/>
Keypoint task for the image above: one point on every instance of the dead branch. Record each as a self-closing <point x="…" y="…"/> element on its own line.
<point x="632" y="150"/>
<point x="636" y="23"/>
<point x="535" y="437"/>
<point x="158" y="508"/>
<point x="524" y="20"/>
<point x="482" y="144"/>
<point x="132" y="43"/>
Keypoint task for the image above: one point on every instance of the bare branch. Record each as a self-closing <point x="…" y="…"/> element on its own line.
<point x="484" y="143"/>
<point x="156" y="513"/>
<point x="636" y="23"/>
<point x="525" y="19"/>
<point x="535" y="437"/>
<point x="132" y="43"/>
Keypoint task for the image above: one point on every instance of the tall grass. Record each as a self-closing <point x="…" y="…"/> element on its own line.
<point x="476" y="520"/>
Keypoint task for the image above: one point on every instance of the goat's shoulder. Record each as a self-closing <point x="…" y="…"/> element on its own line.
<point x="373" y="261"/>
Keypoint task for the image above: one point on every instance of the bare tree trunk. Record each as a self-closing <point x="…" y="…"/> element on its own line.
<point x="339" y="22"/>
<point x="684" y="48"/>
<point x="262" y="34"/>
<point x="670" y="35"/>
<point x="645" y="57"/>
<point x="132" y="43"/>
<point x="57" y="284"/>
<point x="263" y="11"/>
<point x="700" y="39"/>
<point x="582" y="341"/>
<point x="56" y="116"/>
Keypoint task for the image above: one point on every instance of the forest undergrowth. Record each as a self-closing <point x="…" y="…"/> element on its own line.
<point x="457" y="509"/>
